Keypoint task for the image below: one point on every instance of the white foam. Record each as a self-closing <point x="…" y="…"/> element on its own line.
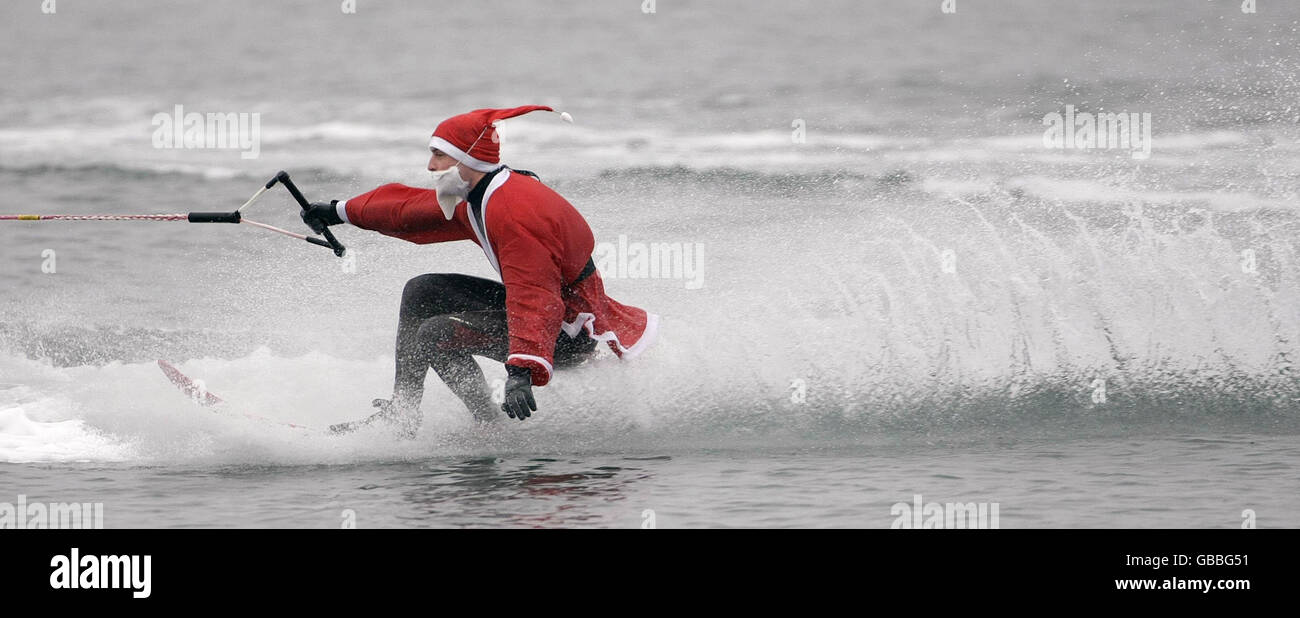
<point x="24" y="440"/>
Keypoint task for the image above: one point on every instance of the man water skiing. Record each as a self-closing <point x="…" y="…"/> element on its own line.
<point x="550" y="309"/>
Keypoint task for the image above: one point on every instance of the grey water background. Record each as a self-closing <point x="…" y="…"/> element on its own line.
<point x="918" y="299"/>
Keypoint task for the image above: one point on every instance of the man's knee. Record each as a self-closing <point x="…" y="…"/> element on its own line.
<point x="436" y="332"/>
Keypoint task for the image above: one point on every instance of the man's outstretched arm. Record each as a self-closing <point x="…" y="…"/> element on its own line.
<point x="396" y="210"/>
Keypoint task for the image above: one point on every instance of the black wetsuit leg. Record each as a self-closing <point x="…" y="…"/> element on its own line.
<point x="446" y="320"/>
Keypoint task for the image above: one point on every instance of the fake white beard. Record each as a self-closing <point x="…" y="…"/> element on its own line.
<point x="451" y="189"/>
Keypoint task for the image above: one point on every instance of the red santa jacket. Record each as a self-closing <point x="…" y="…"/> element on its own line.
<point x="538" y="243"/>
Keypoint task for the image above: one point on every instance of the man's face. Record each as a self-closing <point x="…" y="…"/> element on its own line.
<point x="440" y="161"/>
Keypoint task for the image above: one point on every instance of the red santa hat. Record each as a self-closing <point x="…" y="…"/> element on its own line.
<point x="471" y="138"/>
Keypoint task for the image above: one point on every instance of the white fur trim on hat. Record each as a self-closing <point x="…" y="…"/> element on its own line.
<point x="461" y="155"/>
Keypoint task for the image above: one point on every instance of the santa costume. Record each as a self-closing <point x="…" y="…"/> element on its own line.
<point x="535" y="240"/>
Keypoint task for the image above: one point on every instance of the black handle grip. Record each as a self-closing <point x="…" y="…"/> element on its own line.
<point x="216" y="217"/>
<point x="283" y="178"/>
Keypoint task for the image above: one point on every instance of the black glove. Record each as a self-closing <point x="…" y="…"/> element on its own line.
<point x="321" y="215"/>
<point x="519" y="393"/>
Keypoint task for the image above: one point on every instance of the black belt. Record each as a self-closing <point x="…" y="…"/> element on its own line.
<point x="586" y="272"/>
